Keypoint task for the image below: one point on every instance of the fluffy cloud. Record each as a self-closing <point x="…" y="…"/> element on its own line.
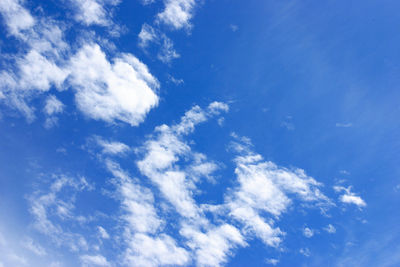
<point x="177" y="13"/>
<point x="16" y="17"/>
<point x="349" y="197"/>
<point x="92" y="12"/>
<point x="53" y="105"/>
<point x="146" y="244"/>
<point x="120" y="90"/>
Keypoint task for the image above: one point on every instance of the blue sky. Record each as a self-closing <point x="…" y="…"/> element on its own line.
<point x="199" y="133"/>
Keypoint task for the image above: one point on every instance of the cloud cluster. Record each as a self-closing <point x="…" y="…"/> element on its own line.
<point x="120" y="89"/>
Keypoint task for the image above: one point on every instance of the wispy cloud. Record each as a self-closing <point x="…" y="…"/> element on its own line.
<point x="344" y="125"/>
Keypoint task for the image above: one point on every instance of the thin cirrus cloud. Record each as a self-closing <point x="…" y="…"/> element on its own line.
<point x="149" y="35"/>
<point x="121" y="90"/>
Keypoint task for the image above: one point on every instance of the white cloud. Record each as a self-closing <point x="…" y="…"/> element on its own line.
<point x="120" y="91"/>
<point x="272" y="261"/>
<point x="263" y="187"/>
<point x="349" y="197"/>
<point x="16" y="17"/>
<point x="53" y="105"/>
<point x="91" y="12"/>
<point x="177" y="13"/>
<point x="147" y="35"/>
<point x="103" y="233"/>
<point x="164" y="149"/>
<point x="330" y="229"/>
<point x="167" y="52"/>
<point x="213" y="247"/>
<point x="155" y="251"/>
<point x="111" y="147"/>
<point x="94" y="260"/>
<point x="307" y="232"/>
<point x="146" y="244"/>
<point x="28" y="243"/>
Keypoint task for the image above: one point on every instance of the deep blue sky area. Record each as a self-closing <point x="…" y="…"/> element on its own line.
<point x="199" y="133"/>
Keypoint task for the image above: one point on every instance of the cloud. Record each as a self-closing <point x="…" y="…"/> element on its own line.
<point x="16" y="17"/>
<point x="349" y="197"/>
<point x="167" y="52"/>
<point x="49" y="207"/>
<point x="272" y="261"/>
<point x="265" y="188"/>
<point x="164" y="149"/>
<point x="344" y="125"/>
<point x="92" y="12"/>
<point x="149" y="35"/>
<point x="94" y="260"/>
<point x="111" y="147"/>
<point x="305" y="251"/>
<point x="177" y="13"/>
<point x="307" y="232"/>
<point x="146" y="244"/>
<point x="330" y="229"/>
<point x="120" y="91"/>
<point x="53" y="105"/>
<point x="212" y="248"/>
<point x="103" y="233"/>
<point x="233" y="27"/>
<point x="34" y="247"/>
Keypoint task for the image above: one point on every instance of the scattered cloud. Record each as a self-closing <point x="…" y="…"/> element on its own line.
<point x="272" y="261"/>
<point x="149" y="35"/>
<point x="264" y="188"/>
<point x="344" y="125"/>
<point x="175" y="80"/>
<point x="31" y="245"/>
<point x="111" y="147"/>
<point x="305" y="251"/>
<point x="94" y="260"/>
<point x="233" y="27"/>
<point x="53" y="105"/>
<point x="307" y="232"/>
<point x="93" y="12"/>
<point x="349" y="197"/>
<point x="330" y="229"/>
<point x="177" y="13"/>
<point x="103" y="233"/>
<point x="48" y="208"/>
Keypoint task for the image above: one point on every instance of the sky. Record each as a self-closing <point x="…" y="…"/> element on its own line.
<point x="199" y="133"/>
